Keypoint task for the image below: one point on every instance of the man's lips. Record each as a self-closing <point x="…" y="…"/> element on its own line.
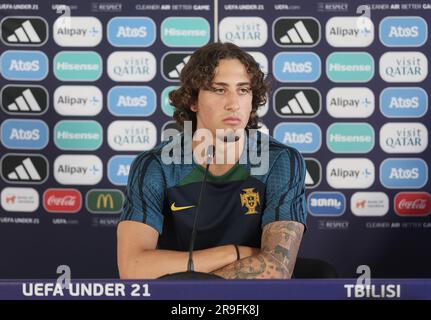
<point x="232" y="120"/>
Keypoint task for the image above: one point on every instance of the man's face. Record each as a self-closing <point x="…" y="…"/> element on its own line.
<point x="227" y="104"/>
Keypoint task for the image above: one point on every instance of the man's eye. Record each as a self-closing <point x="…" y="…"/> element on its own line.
<point x="244" y="90"/>
<point x="218" y="90"/>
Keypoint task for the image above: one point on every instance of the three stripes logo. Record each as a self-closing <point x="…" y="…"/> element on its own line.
<point x="296" y="32"/>
<point x="314" y="173"/>
<point x="173" y="63"/>
<point x="28" y="100"/>
<point x="24" y="31"/>
<point x="297" y="102"/>
<point x="22" y="168"/>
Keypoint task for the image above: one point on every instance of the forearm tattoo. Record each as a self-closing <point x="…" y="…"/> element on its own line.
<point x="276" y="260"/>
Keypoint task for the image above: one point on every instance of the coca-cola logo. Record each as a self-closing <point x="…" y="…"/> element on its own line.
<point x="62" y="200"/>
<point x="413" y="204"/>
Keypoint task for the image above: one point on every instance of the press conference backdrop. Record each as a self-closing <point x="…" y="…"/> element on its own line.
<point x="84" y="89"/>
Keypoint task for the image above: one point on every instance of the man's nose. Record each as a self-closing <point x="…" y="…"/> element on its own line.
<point x="232" y="101"/>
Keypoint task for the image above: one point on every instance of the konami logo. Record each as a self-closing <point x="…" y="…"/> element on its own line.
<point x="413" y="204"/>
<point x="62" y="200"/>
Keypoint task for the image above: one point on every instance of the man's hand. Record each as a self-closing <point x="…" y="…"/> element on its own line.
<point x="276" y="259"/>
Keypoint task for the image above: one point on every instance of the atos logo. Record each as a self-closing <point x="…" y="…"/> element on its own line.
<point x="407" y="102"/>
<point x="62" y="200"/>
<point x="403" y="173"/>
<point x="24" y="134"/>
<point x="305" y="136"/>
<point x="403" y="31"/>
<point x="131" y="32"/>
<point x="24" y="65"/>
<point x="132" y="101"/>
<point x="326" y="204"/>
<point x="297" y="67"/>
<point x="118" y="169"/>
<point x="412" y="204"/>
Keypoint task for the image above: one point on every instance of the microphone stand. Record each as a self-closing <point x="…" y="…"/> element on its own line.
<point x="191" y="273"/>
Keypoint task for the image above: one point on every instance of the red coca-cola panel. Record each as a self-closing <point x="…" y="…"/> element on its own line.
<point x="62" y="200"/>
<point x="416" y="204"/>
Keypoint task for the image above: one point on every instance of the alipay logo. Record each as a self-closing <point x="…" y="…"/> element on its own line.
<point x="78" y="100"/>
<point x="350" y="173"/>
<point x="78" y="169"/>
<point x="351" y="102"/>
<point x="349" y="32"/>
<point x="77" y="31"/>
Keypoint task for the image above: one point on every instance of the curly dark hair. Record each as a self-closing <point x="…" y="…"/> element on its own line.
<point x="198" y="73"/>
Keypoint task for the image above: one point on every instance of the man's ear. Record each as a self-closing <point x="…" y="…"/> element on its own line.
<point x="194" y="107"/>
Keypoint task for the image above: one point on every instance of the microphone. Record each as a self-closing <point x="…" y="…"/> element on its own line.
<point x="191" y="273"/>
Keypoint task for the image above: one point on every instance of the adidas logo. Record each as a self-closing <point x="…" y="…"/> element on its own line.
<point x="297" y="102"/>
<point x="313" y="174"/>
<point x="24" y="31"/>
<point x="294" y="32"/>
<point x="24" y="99"/>
<point x="172" y="64"/>
<point x="24" y="168"/>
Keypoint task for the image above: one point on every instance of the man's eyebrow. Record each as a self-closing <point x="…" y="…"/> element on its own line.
<point x="239" y="84"/>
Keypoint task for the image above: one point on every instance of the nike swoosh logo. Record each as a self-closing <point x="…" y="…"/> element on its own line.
<point x="175" y="208"/>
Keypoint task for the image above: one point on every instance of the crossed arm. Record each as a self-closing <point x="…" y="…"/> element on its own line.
<point x="276" y="259"/>
<point x="138" y="257"/>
